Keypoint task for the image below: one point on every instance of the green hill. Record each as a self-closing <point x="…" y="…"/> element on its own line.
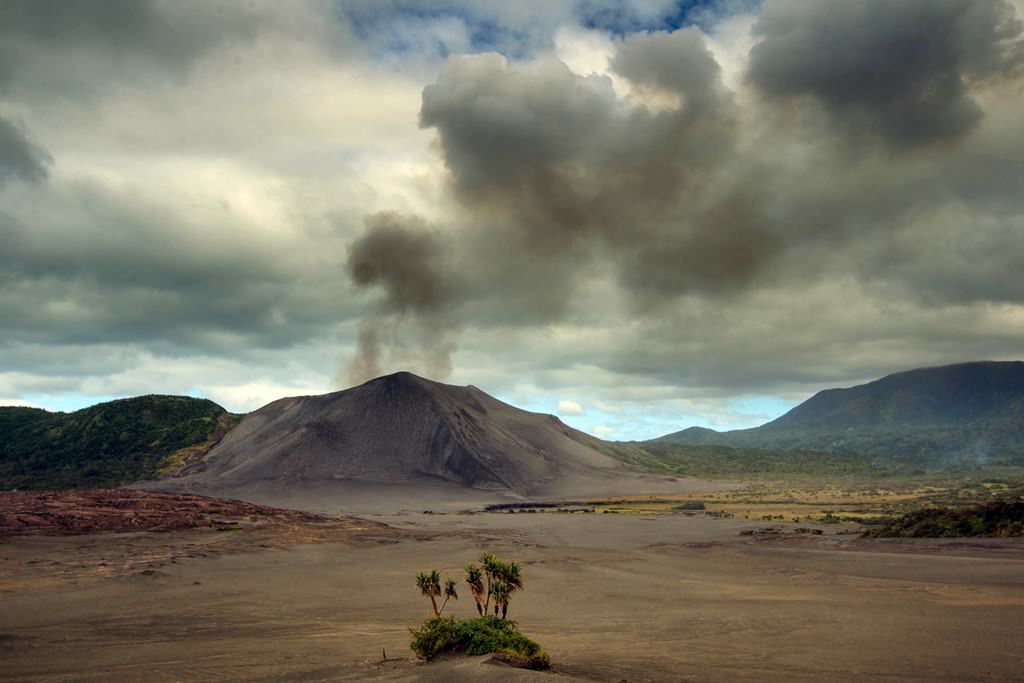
<point x="108" y="444"/>
<point x="958" y="415"/>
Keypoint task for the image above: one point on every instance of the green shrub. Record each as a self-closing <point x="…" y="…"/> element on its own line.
<point x="479" y="636"/>
<point x="998" y="518"/>
<point x="434" y="636"/>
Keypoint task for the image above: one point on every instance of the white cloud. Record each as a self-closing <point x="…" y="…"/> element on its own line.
<point x="567" y="407"/>
<point x="18" y="403"/>
<point x="587" y="52"/>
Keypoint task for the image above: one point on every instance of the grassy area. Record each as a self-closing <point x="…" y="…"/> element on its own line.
<point x="853" y="501"/>
<point x="710" y="461"/>
<point x="801" y="485"/>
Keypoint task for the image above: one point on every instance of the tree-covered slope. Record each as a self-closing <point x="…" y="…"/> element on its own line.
<point x="966" y="414"/>
<point x="927" y="397"/>
<point x="107" y="444"/>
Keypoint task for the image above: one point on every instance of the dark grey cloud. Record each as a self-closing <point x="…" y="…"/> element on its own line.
<point x="83" y="263"/>
<point x="722" y="220"/>
<point x="902" y="71"/>
<point x="561" y="152"/>
<point x="20" y="157"/>
<point x="121" y="248"/>
<point x="114" y="24"/>
<point x="54" y="49"/>
<point x="190" y="222"/>
<point x="554" y="168"/>
<point x="678" y="62"/>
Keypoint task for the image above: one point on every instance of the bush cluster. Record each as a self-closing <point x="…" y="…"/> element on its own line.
<point x="483" y="635"/>
<point x="999" y="519"/>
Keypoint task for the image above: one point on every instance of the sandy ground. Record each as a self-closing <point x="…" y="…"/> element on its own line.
<point x="610" y="597"/>
<point x="340" y="497"/>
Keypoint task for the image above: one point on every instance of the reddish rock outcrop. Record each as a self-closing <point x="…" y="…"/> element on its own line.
<point x="61" y="513"/>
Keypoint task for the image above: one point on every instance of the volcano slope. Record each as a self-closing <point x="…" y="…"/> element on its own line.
<point x="405" y="436"/>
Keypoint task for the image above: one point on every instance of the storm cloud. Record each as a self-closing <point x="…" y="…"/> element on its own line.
<point x="901" y="71"/>
<point x="549" y="166"/>
<point x="615" y="204"/>
<point x="52" y="49"/>
<point x="697" y="199"/>
<point x="20" y="157"/>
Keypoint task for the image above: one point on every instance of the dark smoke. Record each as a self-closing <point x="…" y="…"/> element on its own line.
<point x="402" y="257"/>
<point x="850" y="155"/>
<point x="897" y="70"/>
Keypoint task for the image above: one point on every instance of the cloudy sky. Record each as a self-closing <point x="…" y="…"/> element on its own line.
<point x="641" y="215"/>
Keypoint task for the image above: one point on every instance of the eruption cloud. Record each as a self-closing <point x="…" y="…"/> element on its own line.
<point x="689" y="198"/>
<point x="400" y="256"/>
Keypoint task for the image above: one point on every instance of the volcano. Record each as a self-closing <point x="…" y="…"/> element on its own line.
<point x="404" y="433"/>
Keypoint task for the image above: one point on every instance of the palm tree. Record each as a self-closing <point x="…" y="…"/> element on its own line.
<point x="491" y="565"/>
<point x="511" y="576"/>
<point x="475" y="579"/>
<point x="500" y="591"/>
<point x="430" y="586"/>
<point x="449" y="593"/>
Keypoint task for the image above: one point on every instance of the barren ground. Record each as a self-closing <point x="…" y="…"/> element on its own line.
<point x="640" y="596"/>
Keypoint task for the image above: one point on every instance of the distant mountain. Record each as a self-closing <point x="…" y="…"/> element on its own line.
<point x="970" y="413"/>
<point x="108" y="444"/>
<point x="401" y="430"/>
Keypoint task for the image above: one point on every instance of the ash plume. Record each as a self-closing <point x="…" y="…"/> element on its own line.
<point x="686" y="199"/>
<point x="401" y="256"/>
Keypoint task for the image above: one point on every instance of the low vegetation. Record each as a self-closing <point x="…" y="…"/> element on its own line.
<point x="480" y="636"/>
<point x="999" y="519"/>
<point x="106" y="445"/>
<point x="492" y="584"/>
<point x="664" y="457"/>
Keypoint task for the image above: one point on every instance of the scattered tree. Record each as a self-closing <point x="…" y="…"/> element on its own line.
<point x="500" y="592"/>
<point x="492" y="579"/>
<point x="429" y="584"/>
<point x="512" y="579"/>
<point x="491" y="565"/>
<point x="475" y="579"/>
<point x="503" y="579"/>
<point x="449" y="593"/>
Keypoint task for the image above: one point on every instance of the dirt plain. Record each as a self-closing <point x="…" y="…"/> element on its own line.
<point x="641" y="595"/>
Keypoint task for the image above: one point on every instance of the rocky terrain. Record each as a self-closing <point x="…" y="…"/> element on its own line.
<point x="62" y="513"/>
